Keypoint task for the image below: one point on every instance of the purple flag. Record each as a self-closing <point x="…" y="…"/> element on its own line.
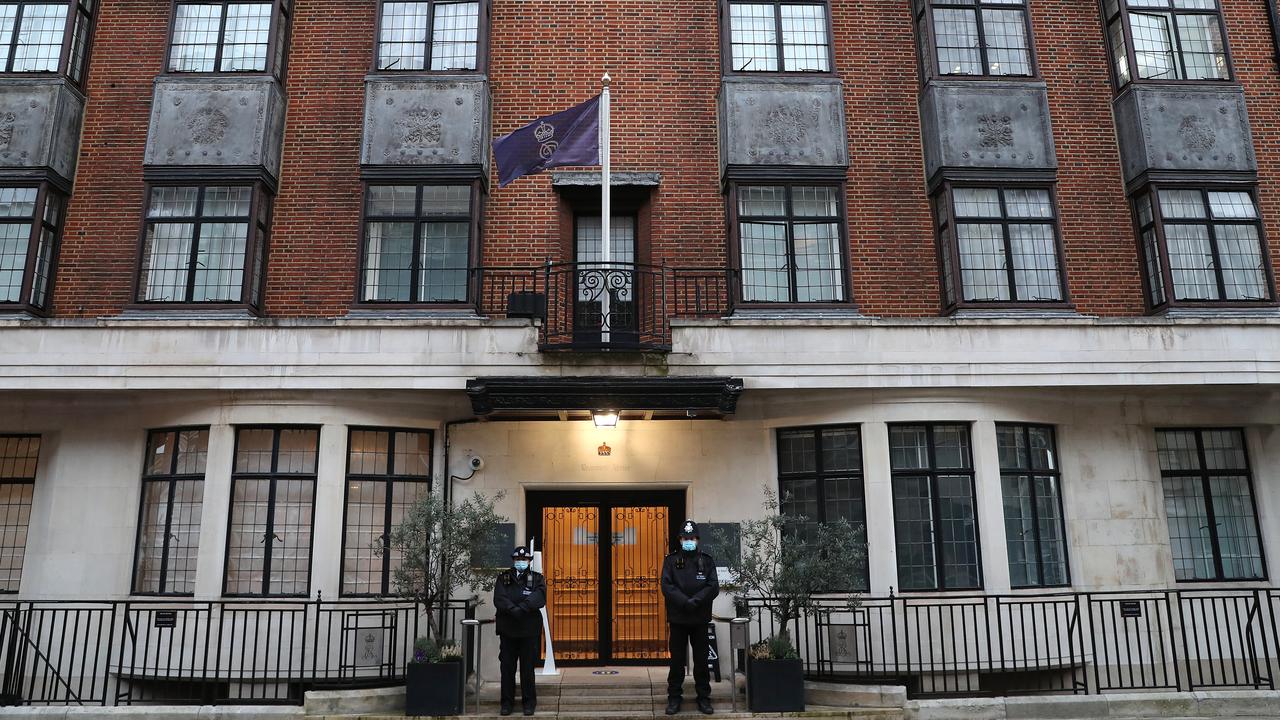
<point x="570" y="137"/>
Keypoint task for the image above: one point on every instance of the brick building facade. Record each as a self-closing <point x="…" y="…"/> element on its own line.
<point x="991" y="279"/>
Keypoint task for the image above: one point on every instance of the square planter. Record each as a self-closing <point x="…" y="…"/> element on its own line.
<point x="776" y="685"/>
<point x="434" y="688"/>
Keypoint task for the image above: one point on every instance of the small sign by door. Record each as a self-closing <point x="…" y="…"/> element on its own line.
<point x="1130" y="608"/>
<point x="713" y="654"/>
<point x="368" y="647"/>
<point x="165" y="619"/>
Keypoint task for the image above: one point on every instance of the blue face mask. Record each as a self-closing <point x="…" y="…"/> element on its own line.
<point x="688" y="545"/>
<point x="521" y="565"/>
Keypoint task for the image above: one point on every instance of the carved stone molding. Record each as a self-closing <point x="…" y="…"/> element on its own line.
<point x="1165" y="129"/>
<point x="223" y="122"/>
<point x="782" y="123"/>
<point x="426" y="121"/>
<point x="994" y="125"/>
<point x="40" y="125"/>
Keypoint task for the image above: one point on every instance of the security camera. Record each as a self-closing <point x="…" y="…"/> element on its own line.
<point x="476" y="463"/>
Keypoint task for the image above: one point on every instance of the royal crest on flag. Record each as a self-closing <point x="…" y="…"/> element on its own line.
<point x="569" y="137"/>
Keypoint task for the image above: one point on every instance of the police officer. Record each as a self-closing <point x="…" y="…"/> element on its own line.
<point x="689" y="585"/>
<point x="518" y="596"/>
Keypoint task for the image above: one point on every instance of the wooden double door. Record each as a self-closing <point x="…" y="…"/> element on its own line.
<point x="602" y="556"/>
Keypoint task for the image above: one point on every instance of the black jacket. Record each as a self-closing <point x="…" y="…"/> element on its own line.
<point x="517" y="601"/>
<point x="689" y="584"/>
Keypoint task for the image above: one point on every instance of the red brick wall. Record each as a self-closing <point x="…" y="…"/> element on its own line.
<point x="664" y="58"/>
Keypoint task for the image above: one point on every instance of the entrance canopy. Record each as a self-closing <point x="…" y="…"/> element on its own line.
<point x="578" y="397"/>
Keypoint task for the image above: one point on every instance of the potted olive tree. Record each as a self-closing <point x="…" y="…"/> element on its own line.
<point x="436" y="542"/>
<point x="788" y="560"/>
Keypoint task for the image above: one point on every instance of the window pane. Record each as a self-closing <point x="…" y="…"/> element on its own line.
<point x="1177" y="450"/>
<point x="395" y="200"/>
<point x="1043" y="452"/>
<point x="1020" y="203"/>
<point x="814" y="202"/>
<point x="819" y="272"/>
<point x="913" y="533"/>
<point x="804" y="38"/>
<point x="959" y="531"/>
<point x="18" y="456"/>
<point x="1224" y="450"/>
<point x="977" y="202"/>
<point x="982" y="261"/>
<point x="14" y="239"/>
<point x="40" y="38"/>
<point x="246" y="544"/>
<point x="368" y="453"/>
<point x="8" y="16"/>
<point x="365" y="534"/>
<point x="195" y="37"/>
<point x="219" y="275"/>
<point x="245" y="39"/>
<point x="298" y="451"/>
<point x="253" y="450"/>
<point x="762" y="201"/>
<point x="1006" y="35"/>
<point x="170" y="202"/>
<point x="43" y="271"/>
<point x="753" y="37"/>
<point x="226" y="202"/>
<point x="446" y="200"/>
<point x="796" y="451"/>
<point x="166" y="255"/>
<point x="1151" y="261"/>
<point x="151" y="536"/>
<point x="291" y="537"/>
<point x="388" y="262"/>
<point x="454" y="36"/>
<point x="404" y="495"/>
<point x="1188" y="528"/>
<point x="1011" y="446"/>
<point x="1235" y="205"/>
<point x="764" y="262"/>
<point x="1153" y="46"/>
<point x="1240" y="262"/>
<point x="1191" y="262"/>
<point x="443" y="277"/>
<point x="1035" y="262"/>
<point x="413" y="454"/>
<point x="1119" y="51"/>
<point x="1053" y="546"/>
<point x="956" y="33"/>
<point x="951" y="446"/>
<point x="799" y="498"/>
<point x="403" y="37"/>
<point x="1019" y="531"/>
<point x="908" y="447"/>
<point x="1237" y="527"/>
<point x="841" y="450"/>
<point x="1181" y="204"/>
<point x="184" y="536"/>
<point x="1204" y="56"/>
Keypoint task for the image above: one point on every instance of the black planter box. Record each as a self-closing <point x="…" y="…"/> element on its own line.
<point x="434" y="688"/>
<point x="776" y="685"/>
<point x="526" y="304"/>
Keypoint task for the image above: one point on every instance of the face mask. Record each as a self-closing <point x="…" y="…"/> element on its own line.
<point x="521" y="565"/>
<point x="688" y="545"/>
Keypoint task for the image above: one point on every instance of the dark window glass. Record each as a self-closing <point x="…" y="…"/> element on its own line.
<point x="981" y="37"/>
<point x="273" y="484"/>
<point x="786" y="36"/>
<point x="792" y="243"/>
<point x="935" y="523"/>
<point x="30" y="232"/>
<point x="18" y="457"/>
<point x="1031" y="485"/>
<point x="417" y="243"/>
<point x="33" y="36"/>
<point x="820" y="479"/>
<point x="1212" y="242"/>
<point x="227" y="36"/>
<point x="197" y="243"/>
<point x="1166" y="40"/>
<point x="1208" y="498"/>
<point x="388" y="471"/>
<point x="172" y="499"/>
<point x="429" y="35"/>
<point x="1006" y="242"/>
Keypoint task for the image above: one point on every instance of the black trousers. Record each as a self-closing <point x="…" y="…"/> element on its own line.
<point x="525" y="651"/>
<point x="682" y="637"/>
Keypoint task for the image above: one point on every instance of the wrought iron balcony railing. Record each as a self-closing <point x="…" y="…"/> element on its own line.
<point x="603" y="306"/>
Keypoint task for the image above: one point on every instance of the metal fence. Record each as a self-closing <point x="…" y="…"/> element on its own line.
<point x="1083" y="643"/>
<point x="219" y="652"/>
<point x="603" y="306"/>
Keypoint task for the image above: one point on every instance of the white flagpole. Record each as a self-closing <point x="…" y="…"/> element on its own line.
<point x="605" y="218"/>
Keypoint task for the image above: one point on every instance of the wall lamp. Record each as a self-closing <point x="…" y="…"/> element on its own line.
<point x="604" y="418"/>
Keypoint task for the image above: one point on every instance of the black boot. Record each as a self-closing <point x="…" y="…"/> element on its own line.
<point x="529" y="708"/>
<point x="704" y="706"/>
<point x="673" y="706"/>
<point x="504" y="709"/>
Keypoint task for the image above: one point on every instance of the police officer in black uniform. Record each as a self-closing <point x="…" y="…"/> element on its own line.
<point x="689" y="585"/>
<point x="518" y="596"/>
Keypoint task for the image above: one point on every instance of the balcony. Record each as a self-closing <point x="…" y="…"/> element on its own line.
<point x="594" y="306"/>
